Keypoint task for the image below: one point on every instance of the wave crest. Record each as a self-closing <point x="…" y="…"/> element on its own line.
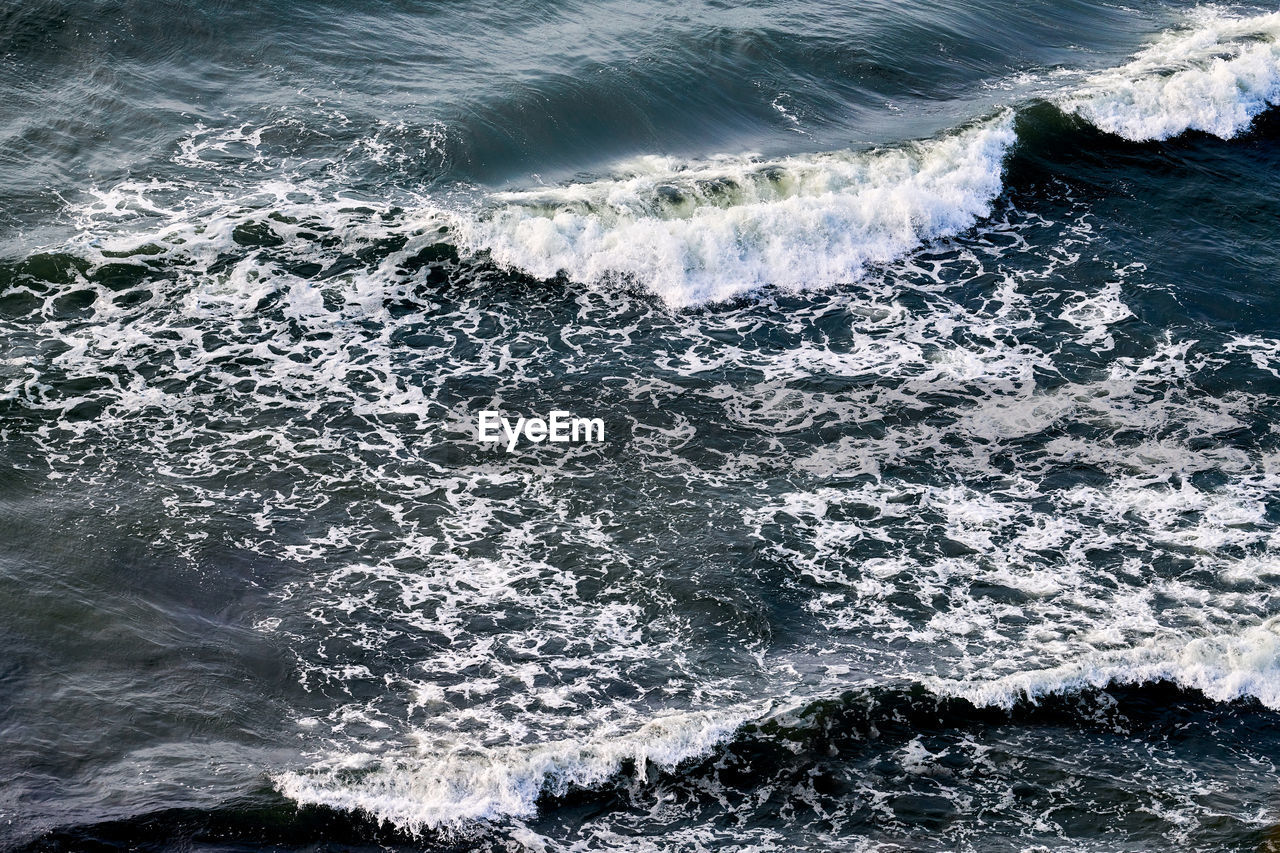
<point x="1222" y="667"/>
<point x="1215" y="77"/>
<point x="708" y="231"/>
<point x="447" y="790"/>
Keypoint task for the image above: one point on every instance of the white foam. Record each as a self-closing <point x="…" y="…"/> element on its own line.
<point x="1224" y="667"/>
<point x="1216" y="76"/>
<point x="1095" y="314"/>
<point x="445" y="787"/>
<point x="465" y="706"/>
<point x="704" y="231"/>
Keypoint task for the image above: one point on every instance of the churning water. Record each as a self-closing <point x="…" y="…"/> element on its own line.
<point x="938" y="352"/>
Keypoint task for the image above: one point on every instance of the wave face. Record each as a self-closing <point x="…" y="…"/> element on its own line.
<point x="939" y="506"/>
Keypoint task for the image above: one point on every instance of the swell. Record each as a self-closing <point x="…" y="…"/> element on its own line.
<point x="679" y="77"/>
<point x="254" y="824"/>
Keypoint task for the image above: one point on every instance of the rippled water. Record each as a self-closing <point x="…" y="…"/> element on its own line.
<point x="938" y="356"/>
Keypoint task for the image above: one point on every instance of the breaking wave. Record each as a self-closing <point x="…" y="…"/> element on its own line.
<point x="468" y="784"/>
<point x="1222" y="667"/>
<point x="704" y="231"/>
<point x="708" y="231"/>
<point x="1215" y="76"/>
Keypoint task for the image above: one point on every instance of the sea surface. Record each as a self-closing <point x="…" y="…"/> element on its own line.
<point x="938" y="350"/>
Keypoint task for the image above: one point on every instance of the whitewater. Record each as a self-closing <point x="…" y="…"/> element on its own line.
<point x="935" y="502"/>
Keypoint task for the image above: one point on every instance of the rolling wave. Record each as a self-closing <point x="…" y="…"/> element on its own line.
<point x="455" y="787"/>
<point x="452" y="789"/>
<point x="1222" y="667"/>
<point x="1215" y="76"/>
<point x="705" y="232"/>
<point x="695" y="232"/>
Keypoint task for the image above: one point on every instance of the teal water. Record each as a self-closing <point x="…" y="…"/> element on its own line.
<point x="937" y="350"/>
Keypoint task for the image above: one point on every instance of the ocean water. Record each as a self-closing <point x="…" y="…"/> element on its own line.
<point x="938" y="351"/>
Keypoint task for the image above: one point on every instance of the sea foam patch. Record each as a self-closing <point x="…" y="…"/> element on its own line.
<point x="497" y="641"/>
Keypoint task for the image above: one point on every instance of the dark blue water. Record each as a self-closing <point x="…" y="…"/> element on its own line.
<point x="938" y="357"/>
